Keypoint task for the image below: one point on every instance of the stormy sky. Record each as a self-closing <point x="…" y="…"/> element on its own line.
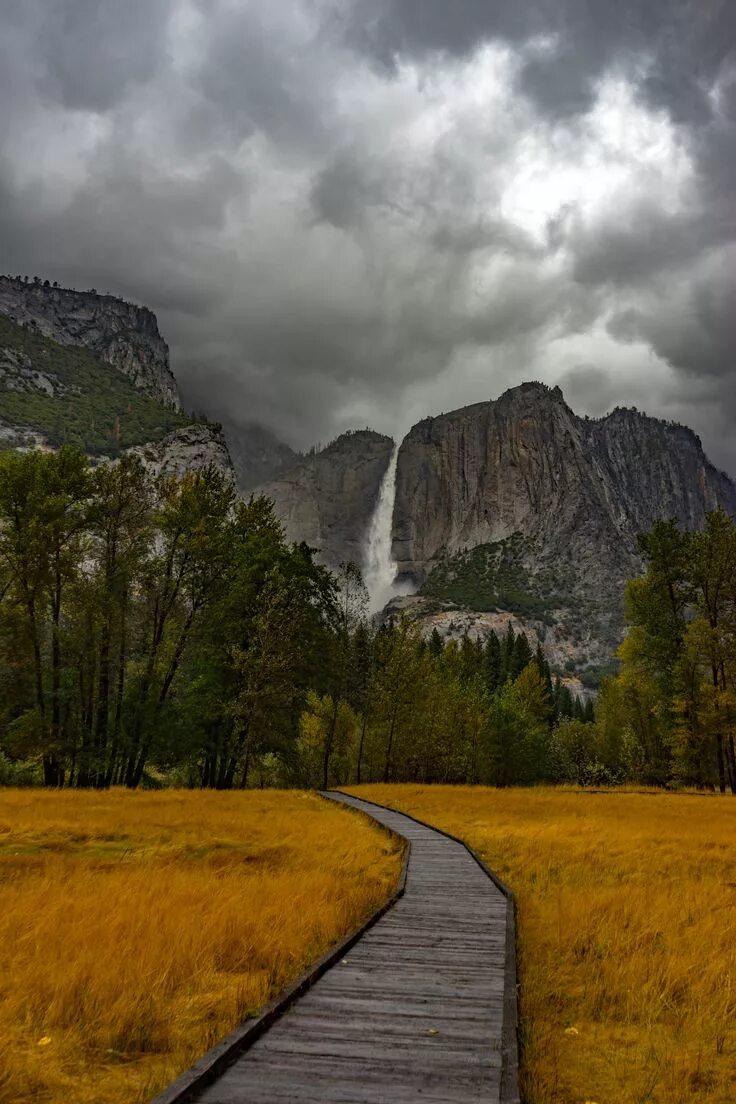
<point x="352" y="212"/>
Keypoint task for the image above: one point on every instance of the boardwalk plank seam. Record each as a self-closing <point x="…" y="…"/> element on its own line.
<point x="510" y="1069"/>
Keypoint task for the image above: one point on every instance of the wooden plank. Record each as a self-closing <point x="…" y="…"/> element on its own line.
<point x="417" y="1008"/>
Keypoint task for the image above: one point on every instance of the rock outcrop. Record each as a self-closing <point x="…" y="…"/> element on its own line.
<point x="327" y="499"/>
<point x="192" y="448"/>
<point x="22" y="438"/>
<point x="117" y="332"/>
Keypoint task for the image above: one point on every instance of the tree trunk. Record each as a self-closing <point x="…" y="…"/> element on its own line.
<point x="103" y="700"/>
<point x="52" y="772"/>
<point x="56" y="656"/>
<point x="246" y="765"/>
<point x="112" y="773"/>
<point x="719" y="735"/>
<point x="721" y="764"/>
<point x="731" y="759"/>
<point x="37" y="659"/>
<point x="360" y="746"/>
<point x="389" y="747"/>
<point x="329" y="742"/>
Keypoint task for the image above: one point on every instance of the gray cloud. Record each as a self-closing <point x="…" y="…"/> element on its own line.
<point x="85" y="53"/>
<point x="372" y="210"/>
<point x="680" y="44"/>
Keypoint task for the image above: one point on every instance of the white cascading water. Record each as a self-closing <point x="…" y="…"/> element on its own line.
<point x="380" y="566"/>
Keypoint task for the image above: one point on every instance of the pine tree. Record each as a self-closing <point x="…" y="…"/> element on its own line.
<point x="507" y="652"/>
<point x="521" y="656"/>
<point x="492" y="661"/>
<point x="436" y="645"/>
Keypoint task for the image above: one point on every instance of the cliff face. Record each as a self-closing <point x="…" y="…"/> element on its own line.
<point x="117" y="332"/>
<point x="327" y="499"/>
<point x="654" y="469"/>
<point x="525" y="463"/>
<point x="519" y="504"/>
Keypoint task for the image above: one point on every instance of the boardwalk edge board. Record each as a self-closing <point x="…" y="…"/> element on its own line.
<point x="213" y="1064"/>
<point x="510" y="1054"/>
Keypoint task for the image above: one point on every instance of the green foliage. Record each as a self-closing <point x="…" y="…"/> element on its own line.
<point x="675" y="698"/>
<point x="594" y="674"/>
<point x="149" y="628"/>
<point x="19" y="772"/>
<point x="494" y="576"/>
<point x="96" y="407"/>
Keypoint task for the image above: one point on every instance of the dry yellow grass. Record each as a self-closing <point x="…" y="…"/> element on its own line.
<point x="136" y="929"/>
<point x="627" y="930"/>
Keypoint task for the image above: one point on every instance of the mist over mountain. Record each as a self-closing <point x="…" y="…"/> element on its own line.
<point x="512" y="508"/>
<point x="257" y="454"/>
<point x="361" y="213"/>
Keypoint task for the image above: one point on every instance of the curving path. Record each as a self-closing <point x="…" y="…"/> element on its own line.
<point x="422" y="1007"/>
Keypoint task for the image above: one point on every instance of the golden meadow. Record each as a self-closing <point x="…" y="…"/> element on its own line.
<point x="136" y="929"/>
<point x="627" y="934"/>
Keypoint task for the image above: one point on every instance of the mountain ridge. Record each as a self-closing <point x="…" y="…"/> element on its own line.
<point x="513" y="506"/>
<point x="524" y="461"/>
<point x="122" y="334"/>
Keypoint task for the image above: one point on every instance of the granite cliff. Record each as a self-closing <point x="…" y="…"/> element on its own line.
<point x="521" y="505"/>
<point x="513" y="508"/>
<point x="119" y="333"/>
<point x="327" y="498"/>
<point x="526" y="464"/>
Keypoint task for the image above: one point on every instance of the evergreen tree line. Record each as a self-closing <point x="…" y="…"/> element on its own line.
<point x="161" y="631"/>
<point x="410" y="709"/>
<point x="672" y="710"/>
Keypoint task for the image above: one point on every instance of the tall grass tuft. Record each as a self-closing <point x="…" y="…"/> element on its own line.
<point x="136" y="929"/>
<point x="627" y="934"/>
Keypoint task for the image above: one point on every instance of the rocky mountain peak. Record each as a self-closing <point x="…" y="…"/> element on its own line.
<point x="530" y="393"/>
<point x="120" y="333"/>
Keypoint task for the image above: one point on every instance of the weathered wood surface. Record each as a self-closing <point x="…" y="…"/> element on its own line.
<point x="422" y="1008"/>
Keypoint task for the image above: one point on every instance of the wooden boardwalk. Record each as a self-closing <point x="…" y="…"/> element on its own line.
<point x="422" y="1008"/>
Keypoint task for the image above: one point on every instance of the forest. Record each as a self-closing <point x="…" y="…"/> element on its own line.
<point x="158" y="632"/>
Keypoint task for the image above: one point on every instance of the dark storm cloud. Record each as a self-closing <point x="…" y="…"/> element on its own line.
<point x="364" y="210"/>
<point x="85" y="53"/>
<point x="344" y="190"/>
<point x="692" y="326"/>
<point x="681" y="43"/>
<point x="629" y="251"/>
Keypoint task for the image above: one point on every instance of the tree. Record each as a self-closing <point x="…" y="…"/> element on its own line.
<point x="120" y="522"/>
<point x="183" y="580"/>
<point x="43" y="507"/>
<point x="320" y="723"/>
<point x="493" y="662"/>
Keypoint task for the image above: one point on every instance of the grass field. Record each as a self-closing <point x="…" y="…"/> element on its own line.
<point x="138" y="928"/>
<point x="627" y="934"/>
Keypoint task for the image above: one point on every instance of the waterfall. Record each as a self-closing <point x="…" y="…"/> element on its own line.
<point x="380" y="567"/>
